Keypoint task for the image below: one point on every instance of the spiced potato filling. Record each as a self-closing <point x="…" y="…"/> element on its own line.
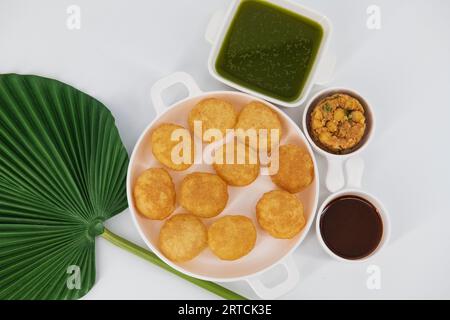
<point x="338" y="122"/>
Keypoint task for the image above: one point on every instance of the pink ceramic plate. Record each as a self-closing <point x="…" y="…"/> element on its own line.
<point x="268" y="252"/>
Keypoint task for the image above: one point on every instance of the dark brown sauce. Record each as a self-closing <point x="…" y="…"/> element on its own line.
<point x="351" y="227"/>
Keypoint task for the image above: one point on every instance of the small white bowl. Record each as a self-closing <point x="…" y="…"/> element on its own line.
<point x="320" y="73"/>
<point x="355" y="168"/>
<point x="334" y="180"/>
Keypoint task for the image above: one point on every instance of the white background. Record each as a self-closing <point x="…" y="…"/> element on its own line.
<point x="123" y="47"/>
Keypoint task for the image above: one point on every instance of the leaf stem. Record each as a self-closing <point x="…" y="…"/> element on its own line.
<point x="153" y="258"/>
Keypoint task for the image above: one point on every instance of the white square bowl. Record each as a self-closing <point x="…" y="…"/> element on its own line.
<point x="218" y="29"/>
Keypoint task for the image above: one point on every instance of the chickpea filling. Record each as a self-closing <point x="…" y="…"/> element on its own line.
<point x="338" y="123"/>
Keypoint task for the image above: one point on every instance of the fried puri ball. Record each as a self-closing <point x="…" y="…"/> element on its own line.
<point x="203" y="194"/>
<point x="154" y="194"/>
<point x="257" y="115"/>
<point x="338" y="123"/>
<point x="280" y="213"/>
<point x="236" y="163"/>
<point x="295" y="168"/>
<point x="213" y="114"/>
<point x="183" y="237"/>
<point x="163" y="146"/>
<point x="232" y="237"/>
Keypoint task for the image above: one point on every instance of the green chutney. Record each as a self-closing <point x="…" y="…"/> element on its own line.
<point x="269" y="49"/>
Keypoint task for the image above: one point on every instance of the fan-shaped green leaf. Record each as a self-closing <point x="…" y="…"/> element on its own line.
<point x="62" y="173"/>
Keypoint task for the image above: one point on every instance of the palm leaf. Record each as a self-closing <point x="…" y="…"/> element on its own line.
<point x="62" y="174"/>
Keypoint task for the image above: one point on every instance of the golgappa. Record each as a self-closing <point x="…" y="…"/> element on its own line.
<point x="173" y="146"/>
<point x="232" y="237"/>
<point x="183" y="237"/>
<point x="213" y="114"/>
<point x="239" y="169"/>
<point x="295" y="168"/>
<point x="280" y="213"/>
<point x="203" y="194"/>
<point x="154" y="194"/>
<point x="257" y="116"/>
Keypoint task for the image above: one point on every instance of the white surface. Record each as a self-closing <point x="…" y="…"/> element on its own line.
<point x="123" y="47"/>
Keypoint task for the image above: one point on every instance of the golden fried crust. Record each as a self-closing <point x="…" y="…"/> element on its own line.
<point x="154" y="194"/>
<point x="256" y="115"/>
<point x="203" y="194"/>
<point x="214" y="114"/>
<point x="241" y="169"/>
<point x="162" y="146"/>
<point x="183" y="237"/>
<point x="232" y="237"/>
<point x="296" y="169"/>
<point x="280" y="214"/>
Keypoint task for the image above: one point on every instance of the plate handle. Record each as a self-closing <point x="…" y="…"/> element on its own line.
<point x="354" y="168"/>
<point x="169" y="81"/>
<point x="280" y="289"/>
<point x="214" y="25"/>
<point x="335" y="180"/>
